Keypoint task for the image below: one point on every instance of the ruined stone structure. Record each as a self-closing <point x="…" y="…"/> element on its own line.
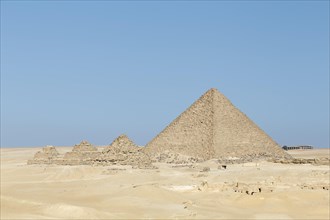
<point x="84" y="146"/>
<point x="123" y="151"/>
<point x="174" y="158"/>
<point x="45" y="156"/>
<point x="81" y="154"/>
<point x="121" y="144"/>
<point x="314" y="161"/>
<point x="213" y="127"/>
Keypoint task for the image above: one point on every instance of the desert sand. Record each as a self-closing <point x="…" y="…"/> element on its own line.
<point x="255" y="190"/>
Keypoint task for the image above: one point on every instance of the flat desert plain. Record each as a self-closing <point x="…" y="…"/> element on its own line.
<point x="261" y="190"/>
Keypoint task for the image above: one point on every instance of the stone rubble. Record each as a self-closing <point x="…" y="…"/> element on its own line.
<point x="175" y="158"/>
<point x="315" y="161"/>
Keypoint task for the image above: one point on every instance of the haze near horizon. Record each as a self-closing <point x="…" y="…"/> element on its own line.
<point x="94" y="70"/>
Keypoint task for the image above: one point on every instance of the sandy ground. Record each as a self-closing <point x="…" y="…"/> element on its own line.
<point x="50" y="191"/>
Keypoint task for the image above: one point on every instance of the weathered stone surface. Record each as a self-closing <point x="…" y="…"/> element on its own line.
<point x="316" y="161"/>
<point x="123" y="151"/>
<point x="45" y="156"/>
<point x="213" y="128"/>
<point x="121" y="144"/>
<point x="84" y="146"/>
<point x="172" y="157"/>
<point x="81" y="154"/>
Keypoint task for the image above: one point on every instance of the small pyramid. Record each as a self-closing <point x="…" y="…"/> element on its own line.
<point x="83" y="146"/>
<point x="213" y="127"/>
<point x="81" y="154"/>
<point x="46" y="155"/>
<point x="125" y="152"/>
<point x="50" y="150"/>
<point x="121" y="144"/>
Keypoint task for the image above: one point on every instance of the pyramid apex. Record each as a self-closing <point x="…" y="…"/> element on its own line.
<point x="122" y="136"/>
<point x="212" y="90"/>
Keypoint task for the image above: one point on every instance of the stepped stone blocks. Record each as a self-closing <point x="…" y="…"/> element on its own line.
<point x="213" y="127"/>
<point x="46" y="156"/>
<point x="83" y="147"/>
<point x="81" y="154"/>
<point x="174" y="158"/>
<point x="121" y="144"/>
<point x="123" y="151"/>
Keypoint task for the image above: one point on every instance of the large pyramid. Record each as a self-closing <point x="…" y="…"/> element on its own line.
<point x="213" y="127"/>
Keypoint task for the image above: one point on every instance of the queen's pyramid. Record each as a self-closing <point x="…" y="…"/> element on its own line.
<point x="120" y="144"/>
<point x="213" y="127"/>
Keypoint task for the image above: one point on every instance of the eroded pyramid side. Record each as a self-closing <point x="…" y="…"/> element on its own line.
<point x="236" y="135"/>
<point x="190" y="133"/>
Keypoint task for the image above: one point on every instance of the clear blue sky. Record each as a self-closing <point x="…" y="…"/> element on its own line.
<point x="93" y="70"/>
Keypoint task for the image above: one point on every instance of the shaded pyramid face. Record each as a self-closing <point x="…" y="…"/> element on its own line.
<point x="213" y="128"/>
